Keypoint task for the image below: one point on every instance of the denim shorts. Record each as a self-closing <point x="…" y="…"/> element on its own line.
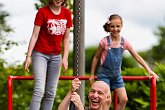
<point x="113" y="81"/>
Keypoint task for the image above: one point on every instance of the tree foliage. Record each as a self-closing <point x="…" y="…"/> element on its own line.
<point x="138" y="91"/>
<point x="158" y="50"/>
<point x="5" y="29"/>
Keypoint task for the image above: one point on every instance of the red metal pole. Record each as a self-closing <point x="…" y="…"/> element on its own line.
<point x="152" y="87"/>
<point x="10" y="93"/>
<point x="115" y="98"/>
<point x="82" y="77"/>
<point x="10" y="78"/>
<point x="153" y="93"/>
<point x="61" y="77"/>
<point x="130" y="78"/>
<point x="137" y="78"/>
<point x="22" y="77"/>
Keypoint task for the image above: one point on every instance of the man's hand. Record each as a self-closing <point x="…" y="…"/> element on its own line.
<point x="75" y="84"/>
<point x="75" y="98"/>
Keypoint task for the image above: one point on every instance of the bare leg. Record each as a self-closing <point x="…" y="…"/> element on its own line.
<point x="121" y="93"/>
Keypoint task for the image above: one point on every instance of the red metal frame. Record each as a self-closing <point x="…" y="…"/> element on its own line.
<point x="152" y="87"/>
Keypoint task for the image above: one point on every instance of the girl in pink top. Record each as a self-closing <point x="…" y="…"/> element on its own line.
<point x="110" y="53"/>
<point x="51" y="28"/>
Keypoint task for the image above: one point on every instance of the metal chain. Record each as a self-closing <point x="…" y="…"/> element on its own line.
<point x="77" y="50"/>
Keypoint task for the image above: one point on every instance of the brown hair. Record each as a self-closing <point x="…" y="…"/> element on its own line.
<point x="112" y="17"/>
<point x="65" y="3"/>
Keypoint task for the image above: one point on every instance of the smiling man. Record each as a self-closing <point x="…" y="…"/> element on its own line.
<point x="99" y="97"/>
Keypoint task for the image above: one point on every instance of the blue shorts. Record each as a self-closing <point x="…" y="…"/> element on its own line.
<point x="113" y="81"/>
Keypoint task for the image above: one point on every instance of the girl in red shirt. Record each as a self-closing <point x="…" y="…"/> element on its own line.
<point x="51" y="28"/>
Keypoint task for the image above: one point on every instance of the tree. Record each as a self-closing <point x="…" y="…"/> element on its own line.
<point x="158" y="50"/>
<point x="5" y="43"/>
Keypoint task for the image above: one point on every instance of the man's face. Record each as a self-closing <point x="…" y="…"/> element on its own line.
<point x="97" y="96"/>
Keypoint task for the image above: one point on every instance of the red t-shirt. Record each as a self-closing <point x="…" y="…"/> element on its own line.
<point x="52" y="30"/>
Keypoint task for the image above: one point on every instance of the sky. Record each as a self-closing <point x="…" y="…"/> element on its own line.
<point x="140" y="19"/>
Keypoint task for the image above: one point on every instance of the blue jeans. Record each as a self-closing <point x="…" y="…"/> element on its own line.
<point x="46" y="72"/>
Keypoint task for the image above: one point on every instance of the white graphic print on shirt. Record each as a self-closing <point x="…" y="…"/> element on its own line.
<point x="56" y="26"/>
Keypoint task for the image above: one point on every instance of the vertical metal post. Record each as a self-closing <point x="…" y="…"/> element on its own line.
<point x="115" y="98"/>
<point x="10" y="93"/>
<point x="153" y="93"/>
<point x="79" y="49"/>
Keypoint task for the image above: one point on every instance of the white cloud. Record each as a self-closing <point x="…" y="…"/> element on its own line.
<point x="140" y="19"/>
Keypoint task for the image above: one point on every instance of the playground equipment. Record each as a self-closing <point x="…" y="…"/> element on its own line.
<point x="128" y="78"/>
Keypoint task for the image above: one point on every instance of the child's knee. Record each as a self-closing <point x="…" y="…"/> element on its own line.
<point x="124" y="100"/>
<point x="38" y="94"/>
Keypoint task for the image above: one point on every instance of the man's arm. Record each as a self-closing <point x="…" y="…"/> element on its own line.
<point x="64" y="105"/>
<point x="75" y="98"/>
<point x="72" y="96"/>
